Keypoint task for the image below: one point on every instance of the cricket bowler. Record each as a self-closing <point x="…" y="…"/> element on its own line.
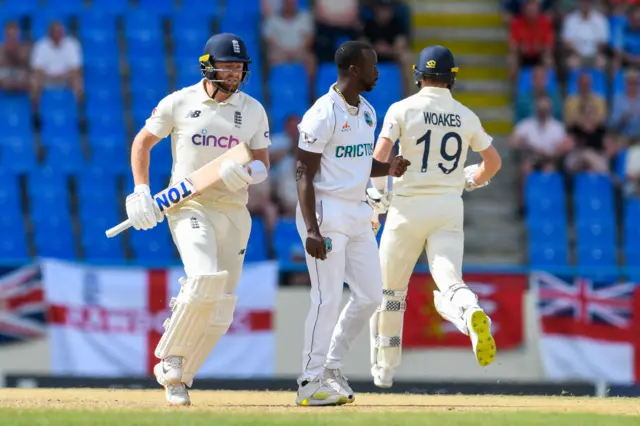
<point x="426" y="210"/>
<point x="334" y="164"/>
<point x="211" y="231"/>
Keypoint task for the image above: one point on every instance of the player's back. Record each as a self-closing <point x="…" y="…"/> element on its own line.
<point x="435" y="132"/>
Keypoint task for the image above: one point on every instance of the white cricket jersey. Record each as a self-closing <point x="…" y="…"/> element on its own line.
<point x="202" y="129"/>
<point x="345" y="142"/>
<point x="435" y="133"/>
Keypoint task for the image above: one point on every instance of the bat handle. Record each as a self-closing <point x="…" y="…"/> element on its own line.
<point x="122" y="226"/>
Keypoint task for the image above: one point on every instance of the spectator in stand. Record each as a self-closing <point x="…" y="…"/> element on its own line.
<point x="593" y="149"/>
<point x="585" y="35"/>
<point x="540" y="140"/>
<point x="531" y="39"/>
<point x="281" y="142"/>
<point x="57" y="61"/>
<point x="336" y="21"/>
<point x="631" y="187"/>
<point x="585" y="95"/>
<point x="526" y="102"/>
<point x="283" y="173"/>
<point x="627" y="41"/>
<point x="14" y="60"/>
<point x="289" y="36"/>
<point x="625" y="114"/>
<point x="389" y="37"/>
<point x="513" y="8"/>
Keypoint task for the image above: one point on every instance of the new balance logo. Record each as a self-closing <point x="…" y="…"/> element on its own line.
<point x="193" y="114"/>
<point x="346" y="127"/>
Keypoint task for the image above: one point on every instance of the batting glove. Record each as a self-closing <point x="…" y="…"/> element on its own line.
<point x="234" y="176"/>
<point x="470" y="183"/>
<point x="142" y="211"/>
<point x="379" y="201"/>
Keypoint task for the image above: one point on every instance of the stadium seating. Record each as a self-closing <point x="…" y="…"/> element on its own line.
<point x="257" y="245"/>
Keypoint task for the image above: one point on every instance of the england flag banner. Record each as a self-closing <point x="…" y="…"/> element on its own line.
<point x="106" y="322"/>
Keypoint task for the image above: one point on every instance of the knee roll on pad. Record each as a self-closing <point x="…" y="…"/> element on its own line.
<point x="192" y="311"/>
<point x="219" y="324"/>
<point x="386" y="325"/>
<point x="453" y="302"/>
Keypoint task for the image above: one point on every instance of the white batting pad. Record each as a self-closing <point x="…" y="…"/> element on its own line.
<point x="386" y="335"/>
<point x="218" y="326"/>
<point x="449" y="311"/>
<point x="192" y="312"/>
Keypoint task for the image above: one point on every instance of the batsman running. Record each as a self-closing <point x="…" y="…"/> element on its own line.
<point x="426" y="211"/>
<point x="211" y="231"/>
<point x="334" y="164"/>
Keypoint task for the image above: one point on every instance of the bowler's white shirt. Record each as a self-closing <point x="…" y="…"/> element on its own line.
<point x="435" y="133"/>
<point x="345" y="142"/>
<point x="202" y="129"/>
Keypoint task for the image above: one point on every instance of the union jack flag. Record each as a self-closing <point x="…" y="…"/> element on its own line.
<point x="22" y="305"/>
<point x="583" y="307"/>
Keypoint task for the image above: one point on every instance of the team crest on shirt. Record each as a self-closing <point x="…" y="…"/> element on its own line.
<point x="368" y="119"/>
<point x="328" y="245"/>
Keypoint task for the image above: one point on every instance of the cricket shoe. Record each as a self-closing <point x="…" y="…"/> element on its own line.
<point x="335" y="378"/>
<point x="177" y="395"/>
<point x="484" y="346"/>
<point x="169" y="371"/>
<point x="382" y="377"/>
<point x="317" y="392"/>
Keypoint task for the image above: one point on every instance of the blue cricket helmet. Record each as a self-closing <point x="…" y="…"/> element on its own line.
<point x="224" y="47"/>
<point x="436" y="62"/>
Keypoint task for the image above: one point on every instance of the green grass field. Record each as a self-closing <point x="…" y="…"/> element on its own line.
<point x="70" y="407"/>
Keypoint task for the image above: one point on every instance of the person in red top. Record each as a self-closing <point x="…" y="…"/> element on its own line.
<point x="531" y="38"/>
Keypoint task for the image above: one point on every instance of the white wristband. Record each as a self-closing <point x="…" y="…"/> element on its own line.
<point x="380" y="183"/>
<point x="258" y="171"/>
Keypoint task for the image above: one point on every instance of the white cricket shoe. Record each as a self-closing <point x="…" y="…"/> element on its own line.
<point x="335" y="378"/>
<point x="382" y="377"/>
<point x="177" y="395"/>
<point x="169" y="371"/>
<point x="317" y="392"/>
<point x="484" y="346"/>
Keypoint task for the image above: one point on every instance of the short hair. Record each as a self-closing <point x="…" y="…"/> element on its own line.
<point x="350" y="53"/>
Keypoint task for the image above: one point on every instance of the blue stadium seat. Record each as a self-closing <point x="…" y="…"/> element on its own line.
<point x="13" y="244"/>
<point x="593" y="196"/>
<point x="140" y="26"/>
<point x="619" y="84"/>
<point x="158" y="180"/>
<point x="104" y="102"/>
<point x="631" y="210"/>
<point x="60" y="100"/>
<point x="154" y="245"/>
<point x="598" y="81"/>
<point x="109" y="152"/>
<point x="597" y="256"/>
<point x="18" y="155"/>
<point x="146" y="98"/>
<point x="55" y="243"/>
<point x="16" y="9"/>
<point x="543" y="255"/>
<point x="544" y="194"/>
<point x="257" y="245"/>
<point x="290" y="88"/>
<point x="100" y="43"/>
<point x="150" y="46"/>
<point x="250" y="10"/>
<point x="253" y="88"/>
<point x="107" y="126"/>
<point x="111" y="7"/>
<point x="159" y="7"/>
<point x="65" y="155"/>
<point x="66" y="7"/>
<point x="187" y="72"/>
<point x="15" y="118"/>
<point x="146" y="73"/>
<point x="545" y="230"/>
<point x="191" y="7"/>
<point x="101" y="72"/>
<point x="594" y="233"/>
<point x="286" y="242"/>
<point x="9" y="193"/>
<point x="94" y="22"/>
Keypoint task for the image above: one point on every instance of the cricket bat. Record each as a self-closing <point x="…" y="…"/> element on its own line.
<point x="193" y="185"/>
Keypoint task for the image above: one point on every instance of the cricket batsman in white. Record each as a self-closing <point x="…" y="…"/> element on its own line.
<point x="426" y="211"/>
<point x="334" y="164"/>
<point x="211" y="232"/>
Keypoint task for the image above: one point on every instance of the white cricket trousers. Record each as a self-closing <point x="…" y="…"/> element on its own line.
<point x="353" y="259"/>
<point x="211" y="241"/>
